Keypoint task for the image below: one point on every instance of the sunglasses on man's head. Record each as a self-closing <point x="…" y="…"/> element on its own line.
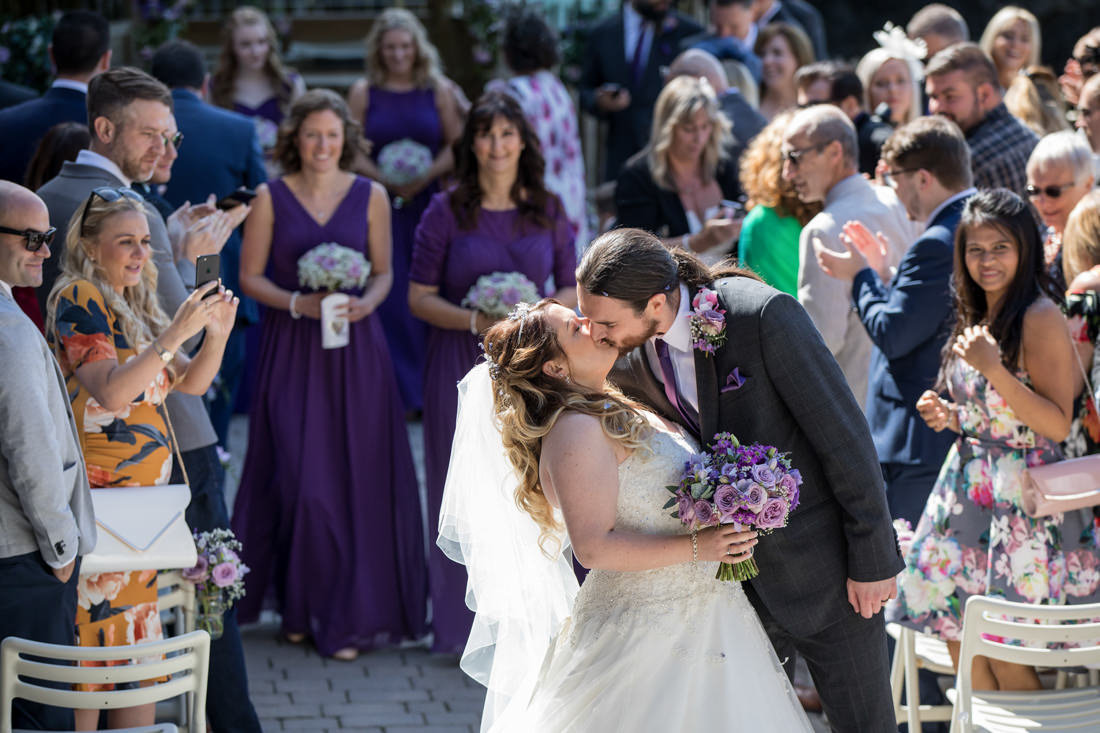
<point x="33" y="239"/>
<point x="108" y="194"/>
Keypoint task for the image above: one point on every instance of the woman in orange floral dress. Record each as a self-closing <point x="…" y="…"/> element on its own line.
<point x="121" y="355"/>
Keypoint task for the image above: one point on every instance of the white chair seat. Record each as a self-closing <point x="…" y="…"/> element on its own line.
<point x="1046" y="710"/>
<point x="164" y="728"/>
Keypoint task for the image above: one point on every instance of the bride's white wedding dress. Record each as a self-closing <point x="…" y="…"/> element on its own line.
<point x="661" y="650"/>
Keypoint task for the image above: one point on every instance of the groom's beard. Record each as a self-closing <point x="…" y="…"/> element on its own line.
<point x="629" y="343"/>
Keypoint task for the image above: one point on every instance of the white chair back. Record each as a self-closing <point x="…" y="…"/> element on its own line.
<point x="186" y="668"/>
<point x="1039" y="626"/>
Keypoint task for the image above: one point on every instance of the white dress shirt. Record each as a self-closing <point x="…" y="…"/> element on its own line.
<point x="87" y="157"/>
<point x="635" y="25"/>
<point x="678" y="338"/>
<point x="76" y="86"/>
<point x="5" y="289"/>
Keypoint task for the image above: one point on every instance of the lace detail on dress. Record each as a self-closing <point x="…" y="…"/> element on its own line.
<point x="624" y="602"/>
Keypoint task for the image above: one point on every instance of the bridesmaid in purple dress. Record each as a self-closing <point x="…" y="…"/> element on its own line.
<point x="251" y="78"/>
<point x="498" y="218"/>
<point x="328" y="509"/>
<point x="405" y="97"/>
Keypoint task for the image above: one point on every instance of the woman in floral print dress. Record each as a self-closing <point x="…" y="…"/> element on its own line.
<point x="1009" y="371"/>
<point x="118" y="352"/>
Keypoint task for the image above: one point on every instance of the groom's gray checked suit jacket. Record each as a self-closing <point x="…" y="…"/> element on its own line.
<point x="793" y="396"/>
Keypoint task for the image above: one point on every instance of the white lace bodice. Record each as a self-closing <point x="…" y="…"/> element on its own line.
<point x="620" y="600"/>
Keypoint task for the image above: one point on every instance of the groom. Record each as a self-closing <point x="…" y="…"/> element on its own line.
<point x="825" y="577"/>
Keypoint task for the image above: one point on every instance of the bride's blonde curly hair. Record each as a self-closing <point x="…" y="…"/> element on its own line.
<point x="528" y="402"/>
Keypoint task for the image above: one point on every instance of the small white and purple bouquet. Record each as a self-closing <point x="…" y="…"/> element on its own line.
<point x="402" y="162"/>
<point x="497" y="293"/>
<point x="218" y="576"/>
<point x="333" y="267"/>
<point x="750" y="486"/>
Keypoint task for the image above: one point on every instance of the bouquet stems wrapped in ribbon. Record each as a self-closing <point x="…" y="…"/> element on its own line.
<point x="497" y="293"/>
<point x="750" y="486"/>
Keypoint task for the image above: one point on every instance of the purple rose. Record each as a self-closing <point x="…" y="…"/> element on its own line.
<point x="197" y="574"/>
<point x="713" y="321"/>
<point x="773" y="515"/>
<point x="755" y="497"/>
<point x="763" y="475"/>
<point x="686" y="507"/>
<point x="796" y="475"/>
<point x="704" y="513"/>
<point x="787" y="483"/>
<point x="726" y="501"/>
<point x="224" y="574"/>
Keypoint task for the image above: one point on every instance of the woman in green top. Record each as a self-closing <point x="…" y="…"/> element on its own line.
<point x="769" y="235"/>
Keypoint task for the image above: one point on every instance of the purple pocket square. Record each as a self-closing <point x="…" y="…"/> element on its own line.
<point x="734" y="381"/>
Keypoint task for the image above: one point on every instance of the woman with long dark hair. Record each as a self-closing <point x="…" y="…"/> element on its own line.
<point x="498" y="218"/>
<point x="1008" y="368"/>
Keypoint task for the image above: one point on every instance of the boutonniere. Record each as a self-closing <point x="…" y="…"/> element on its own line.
<point x="708" y="322"/>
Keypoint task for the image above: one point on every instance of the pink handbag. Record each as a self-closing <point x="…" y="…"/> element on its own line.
<point x="1061" y="487"/>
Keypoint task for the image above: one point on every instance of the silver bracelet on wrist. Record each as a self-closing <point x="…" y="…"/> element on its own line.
<point x="473" y="321"/>
<point x="294" y="299"/>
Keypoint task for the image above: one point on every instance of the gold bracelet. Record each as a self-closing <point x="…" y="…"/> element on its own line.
<point x="694" y="546"/>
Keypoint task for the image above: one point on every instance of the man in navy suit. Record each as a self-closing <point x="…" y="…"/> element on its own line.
<point x="908" y="314"/>
<point x="80" y="49"/>
<point x="222" y="155"/>
<point x="13" y="94"/>
<point x="622" y="73"/>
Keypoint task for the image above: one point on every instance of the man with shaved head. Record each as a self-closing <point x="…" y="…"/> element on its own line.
<point x="46" y="520"/>
<point x="746" y="120"/>
<point x="820" y="154"/>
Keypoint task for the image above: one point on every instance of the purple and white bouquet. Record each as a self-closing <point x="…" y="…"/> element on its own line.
<point x="332" y="267"/>
<point x="219" y="568"/>
<point x="404" y="161"/>
<point x="750" y="486"/>
<point x="497" y="293"/>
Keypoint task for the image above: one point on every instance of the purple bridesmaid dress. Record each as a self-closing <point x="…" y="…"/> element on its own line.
<point x="452" y="259"/>
<point x="393" y="116"/>
<point x="328" y="509"/>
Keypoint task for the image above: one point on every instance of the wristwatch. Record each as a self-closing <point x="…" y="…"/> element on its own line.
<point x="165" y="355"/>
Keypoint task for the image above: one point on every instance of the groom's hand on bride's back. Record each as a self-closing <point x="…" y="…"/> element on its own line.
<point x="867" y="599"/>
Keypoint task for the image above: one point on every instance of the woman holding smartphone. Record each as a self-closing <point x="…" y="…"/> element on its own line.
<point x="683" y="184"/>
<point x="121" y="355"/>
<point x="328" y="509"/>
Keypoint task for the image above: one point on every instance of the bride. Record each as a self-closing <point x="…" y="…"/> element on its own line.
<point x="651" y="641"/>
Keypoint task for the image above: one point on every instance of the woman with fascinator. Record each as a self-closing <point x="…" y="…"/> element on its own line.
<point x="547" y="452"/>
<point x="891" y="75"/>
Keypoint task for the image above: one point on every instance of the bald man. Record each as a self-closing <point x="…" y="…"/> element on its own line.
<point x="46" y="520"/>
<point x="746" y="120"/>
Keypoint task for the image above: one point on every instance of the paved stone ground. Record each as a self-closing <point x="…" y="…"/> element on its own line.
<point x="394" y="691"/>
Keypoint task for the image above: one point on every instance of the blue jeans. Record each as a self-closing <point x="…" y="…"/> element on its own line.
<point x="227" y="703"/>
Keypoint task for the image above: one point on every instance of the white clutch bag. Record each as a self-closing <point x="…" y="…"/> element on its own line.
<point x="141" y="528"/>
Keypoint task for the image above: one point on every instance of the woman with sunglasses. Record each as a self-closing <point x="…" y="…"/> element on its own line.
<point x="1059" y="174"/>
<point x="1008" y="370"/>
<point x="121" y="355"/>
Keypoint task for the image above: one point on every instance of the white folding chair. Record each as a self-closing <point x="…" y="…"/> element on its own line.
<point x="184" y="659"/>
<point x="1048" y="710"/>
<point x="914" y="651"/>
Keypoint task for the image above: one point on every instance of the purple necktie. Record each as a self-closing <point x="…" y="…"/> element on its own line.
<point x="672" y="391"/>
<point x="637" y="64"/>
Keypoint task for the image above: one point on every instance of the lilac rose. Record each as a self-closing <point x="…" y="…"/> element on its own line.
<point x="763" y="475"/>
<point x="773" y="515"/>
<point x="755" y="496"/>
<point x="704" y="513"/>
<point x="197" y="574"/>
<point x="224" y="574"/>
<point x="713" y="321"/>
<point x="726" y="501"/>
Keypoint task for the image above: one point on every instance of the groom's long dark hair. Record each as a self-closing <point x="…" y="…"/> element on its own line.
<point x="632" y="265"/>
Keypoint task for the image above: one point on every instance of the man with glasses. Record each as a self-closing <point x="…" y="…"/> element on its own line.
<point x="45" y="504"/>
<point x="820" y="154"/>
<point x="962" y="86"/>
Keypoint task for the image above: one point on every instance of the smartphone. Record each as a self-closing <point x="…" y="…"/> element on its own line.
<point x="733" y="209"/>
<point x="240" y="196"/>
<point x="207" y="268"/>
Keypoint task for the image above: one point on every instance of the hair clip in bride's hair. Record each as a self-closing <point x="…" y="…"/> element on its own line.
<point x="520" y="313"/>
